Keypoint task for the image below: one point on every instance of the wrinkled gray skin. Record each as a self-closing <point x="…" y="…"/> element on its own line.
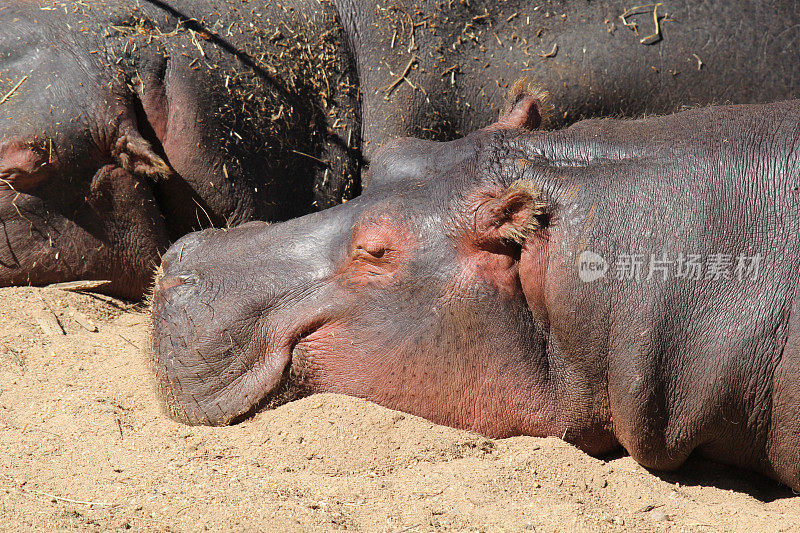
<point x="141" y="120"/>
<point x="450" y="289"/>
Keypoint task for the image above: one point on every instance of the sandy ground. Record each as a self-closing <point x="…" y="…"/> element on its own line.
<point x="85" y="446"/>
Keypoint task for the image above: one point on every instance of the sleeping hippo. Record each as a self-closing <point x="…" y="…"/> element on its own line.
<point x="125" y="124"/>
<point x="618" y="283"/>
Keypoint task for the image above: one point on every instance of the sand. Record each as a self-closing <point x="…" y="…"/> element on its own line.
<point x="86" y="447"/>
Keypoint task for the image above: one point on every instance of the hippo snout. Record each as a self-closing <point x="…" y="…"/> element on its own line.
<point x="217" y="355"/>
<point x="191" y="260"/>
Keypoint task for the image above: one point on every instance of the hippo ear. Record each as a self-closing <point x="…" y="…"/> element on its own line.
<point x="527" y="107"/>
<point x="136" y="155"/>
<point x="512" y="216"/>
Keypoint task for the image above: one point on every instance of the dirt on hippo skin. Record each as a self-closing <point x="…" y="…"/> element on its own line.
<point x="85" y="446"/>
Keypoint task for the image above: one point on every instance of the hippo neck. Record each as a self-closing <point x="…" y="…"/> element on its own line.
<point x="650" y="192"/>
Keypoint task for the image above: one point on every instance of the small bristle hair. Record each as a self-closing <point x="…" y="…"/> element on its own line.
<point x="536" y="206"/>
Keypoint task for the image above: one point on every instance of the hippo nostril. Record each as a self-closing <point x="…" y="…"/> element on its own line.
<point x="169" y="282"/>
<point x="174" y="290"/>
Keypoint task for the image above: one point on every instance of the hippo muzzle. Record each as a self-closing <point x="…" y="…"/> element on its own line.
<point x="224" y="329"/>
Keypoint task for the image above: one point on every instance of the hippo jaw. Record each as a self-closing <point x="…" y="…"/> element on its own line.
<point x="215" y="387"/>
<point x="212" y="383"/>
<point x="211" y="374"/>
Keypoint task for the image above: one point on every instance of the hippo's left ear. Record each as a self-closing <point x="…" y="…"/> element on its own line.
<point x="527" y="107"/>
<point x="512" y="216"/>
<point x="136" y="155"/>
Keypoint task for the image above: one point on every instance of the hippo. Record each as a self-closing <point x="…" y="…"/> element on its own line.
<point x="618" y="283"/>
<point x="125" y="124"/>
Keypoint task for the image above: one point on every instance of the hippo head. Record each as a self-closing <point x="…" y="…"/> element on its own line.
<point x="73" y="208"/>
<point x="104" y="159"/>
<point x="424" y="294"/>
<point x="78" y="166"/>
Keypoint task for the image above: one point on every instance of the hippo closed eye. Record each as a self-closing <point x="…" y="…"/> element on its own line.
<point x="616" y="283"/>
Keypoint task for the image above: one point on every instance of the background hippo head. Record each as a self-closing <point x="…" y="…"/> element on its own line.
<point x="120" y="132"/>
<point x="77" y="207"/>
<point x="471" y="284"/>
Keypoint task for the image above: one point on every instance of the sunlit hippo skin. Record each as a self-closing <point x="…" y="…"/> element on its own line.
<point x="457" y="288"/>
<point x="127" y="124"/>
<point x="131" y="123"/>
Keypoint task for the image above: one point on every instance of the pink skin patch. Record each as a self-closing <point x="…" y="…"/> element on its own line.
<point x="449" y="380"/>
<point x="483" y="253"/>
<point x="168" y="283"/>
<point x="156" y="107"/>
<point x="459" y="386"/>
<point x="498" y="270"/>
<point x="18" y="167"/>
<point x="379" y="249"/>
<point x="533" y="269"/>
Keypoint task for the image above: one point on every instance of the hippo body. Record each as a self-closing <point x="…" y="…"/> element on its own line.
<point x="490" y="283"/>
<point x="126" y="124"/>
